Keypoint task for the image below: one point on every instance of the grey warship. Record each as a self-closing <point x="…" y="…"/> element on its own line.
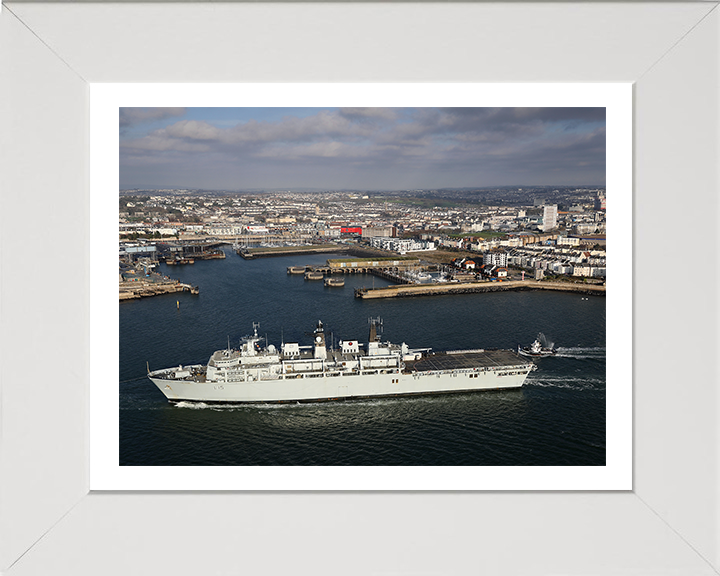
<point x="293" y="373"/>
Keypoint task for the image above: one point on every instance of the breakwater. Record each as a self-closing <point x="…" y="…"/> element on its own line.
<point x="273" y="251"/>
<point x="252" y="253"/>
<point x="404" y="291"/>
<point x="135" y="290"/>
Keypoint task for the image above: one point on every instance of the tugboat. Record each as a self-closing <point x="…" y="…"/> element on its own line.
<point x="538" y="349"/>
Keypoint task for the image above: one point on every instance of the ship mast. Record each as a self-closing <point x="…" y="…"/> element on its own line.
<point x="374" y="323"/>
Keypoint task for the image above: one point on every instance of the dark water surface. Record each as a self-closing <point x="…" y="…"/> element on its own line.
<point x="557" y="418"/>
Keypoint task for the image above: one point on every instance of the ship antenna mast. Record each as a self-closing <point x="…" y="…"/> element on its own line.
<point x="374" y="323"/>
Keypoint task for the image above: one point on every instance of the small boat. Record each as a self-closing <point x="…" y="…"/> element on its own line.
<point x="538" y="349"/>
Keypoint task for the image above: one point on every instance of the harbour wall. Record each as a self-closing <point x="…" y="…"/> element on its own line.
<point x="133" y="291"/>
<point x="405" y="291"/>
<point x="252" y="253"/>
<point x="288" y="251"/>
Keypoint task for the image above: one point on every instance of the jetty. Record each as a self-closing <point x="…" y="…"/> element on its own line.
<point x="405" y="291"/>
<point x="172" y="259"/>
<point x="139" y="280"/>
<point x="178" y="253"/>
<point x="393" y="268"/>
<point x="136" y="290"/>
<point x="274" y="251"/>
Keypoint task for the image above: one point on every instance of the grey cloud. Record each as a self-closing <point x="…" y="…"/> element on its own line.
<point x="462" y="145"/>
<point x="369" y="113"/>
<point x="495" y="116"/>
<point x="132" y="116"/>
<point x="191" y="130"/>
<point x="489" y="123"/>
<point x="319" y="126"/>
<point x="254" y="137"/>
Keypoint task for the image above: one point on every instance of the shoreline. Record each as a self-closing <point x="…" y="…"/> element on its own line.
<point x="148" y="290"/>
<point x="252" y="253"/>
<point x="408" y="291"/>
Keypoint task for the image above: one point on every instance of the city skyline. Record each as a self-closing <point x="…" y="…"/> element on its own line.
<point x="360" y="148"/>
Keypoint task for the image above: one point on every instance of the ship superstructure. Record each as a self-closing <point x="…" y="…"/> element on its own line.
<point x="295" y="373"/>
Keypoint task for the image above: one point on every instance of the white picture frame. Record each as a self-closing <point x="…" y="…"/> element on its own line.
<point x="106" y="473"/>
<point x="50" y="53"/>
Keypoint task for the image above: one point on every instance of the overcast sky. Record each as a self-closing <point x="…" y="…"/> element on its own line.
<point x="360" y="148"/>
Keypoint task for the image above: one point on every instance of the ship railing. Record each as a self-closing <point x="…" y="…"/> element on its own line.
<point x="510" y="367"/>
<point x="471" y="351"/>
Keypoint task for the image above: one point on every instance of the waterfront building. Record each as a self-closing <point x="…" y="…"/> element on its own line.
<point x="464" y="263"/>
<point x="495" y="258"/>
<point x="384" y="232"/>
<point x="401" y="245"/>
<point x="224" y="229"/>
<point x="134" y="251"/>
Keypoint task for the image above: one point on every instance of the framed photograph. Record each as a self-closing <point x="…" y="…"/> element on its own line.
<point x="515" y="117"/>
<point x="63" y="510"/>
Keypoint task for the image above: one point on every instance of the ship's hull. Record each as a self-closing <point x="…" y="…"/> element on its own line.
<point x="542" y="354"/>
<point x="314" y="388"/>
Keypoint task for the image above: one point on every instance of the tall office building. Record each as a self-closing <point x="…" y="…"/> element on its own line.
<point x="600" y="201"/>
<point x="549" y="217"/>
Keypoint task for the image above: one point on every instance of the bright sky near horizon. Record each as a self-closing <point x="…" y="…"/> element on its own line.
<point x="360" y="148"/>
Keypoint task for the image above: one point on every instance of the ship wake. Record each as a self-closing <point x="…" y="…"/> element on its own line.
<point x="192" y="405"/>
<point x="581" y="353"/>
<point x="567" y="382"/>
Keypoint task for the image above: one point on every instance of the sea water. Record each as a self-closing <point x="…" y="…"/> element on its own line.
<point x="556" y="418"/>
